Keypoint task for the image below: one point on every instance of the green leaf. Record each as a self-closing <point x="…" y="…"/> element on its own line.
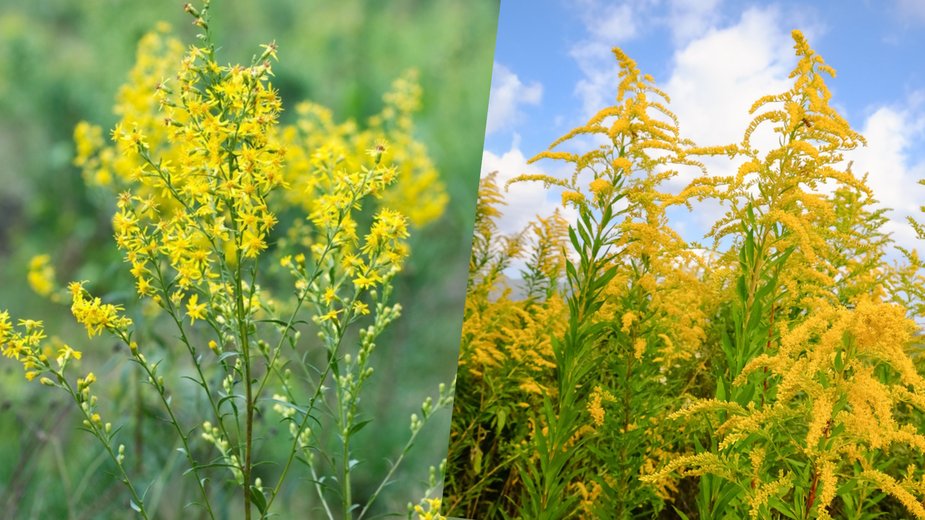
<point x="741" y="290"/>
<point x="259" y="500"/>
<point x="476" y="460"/>
<point x="728" y="493"/>
<point x="359" y="426"/>
<point x="226" y="355"/>
<point x="721" y="389"/>
<point x="500" y="420"/>
<point x="573" y="238"/>
<point x="782" y="507"/>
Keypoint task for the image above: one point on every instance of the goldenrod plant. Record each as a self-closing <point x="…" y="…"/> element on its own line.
<point x="772" y="375"/>
<point x="202" y="172"/>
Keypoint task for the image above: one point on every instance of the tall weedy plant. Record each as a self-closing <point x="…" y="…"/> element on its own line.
<point x="205" y="172"/>
<point x="617" y="289"/>
<point x="817" y="391"/>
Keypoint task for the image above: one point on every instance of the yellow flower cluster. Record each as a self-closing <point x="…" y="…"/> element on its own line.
<point x="654" y="305"/>
<point x="200" y="196"/>
<point x="787" y="188"/>
<point x="204" y="173"/>
<point x="429" y="509"/>
<point x="201" y="160"/>
<point x="315" y="143"/>
<point x="24" y="345"/>
<point x="643" y="148"/>
<point x="595" y="404"/>
<point x="498" y="332"/>
<point x="840" y="378"/>
<point x="794" y="342"/>
<point x="95" y="315"/>
<point x="41" y="275"/>
<point x="385" y="249"/>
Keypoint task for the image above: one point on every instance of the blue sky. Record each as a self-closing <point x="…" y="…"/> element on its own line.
<point x="553" y="68"/>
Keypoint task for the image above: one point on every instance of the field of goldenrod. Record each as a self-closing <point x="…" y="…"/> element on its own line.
<point x="626" y="373"/>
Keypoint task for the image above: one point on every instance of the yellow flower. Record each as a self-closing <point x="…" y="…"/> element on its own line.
<point x="431" y="511"/>
<point x="5" y="326"/>
<point x="572" y="197"/>
<point x="600" y="186"/>
<point x="24" y="345"/>
<point x="595" y="404"/>
<point x="94" y="314"/>
<point x="41" y="275"/>
<point x="628" y="319"/>
<point x="639" y="348"/>
<point x="269" y="51"/>
<point x="329" y="295"/>
<point x="366" y="280"/>
<point x="622" y="164"/>
<point x="143" y="286"/>
<point x="360" y="308"/>
<point x="194" y="309"/>
<point x="65" y="353"/>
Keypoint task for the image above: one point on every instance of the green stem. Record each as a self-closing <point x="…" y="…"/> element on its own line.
<point x="332" y="358"/>
<point x="104" y="440"/>
<point x="176" y="424"/>
<point x="249" y="396"/>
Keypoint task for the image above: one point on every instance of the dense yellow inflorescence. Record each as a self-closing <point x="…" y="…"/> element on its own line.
<point x="833" y="389"/>
<point x="202" y="162"/>
<point x="780" y="374"/>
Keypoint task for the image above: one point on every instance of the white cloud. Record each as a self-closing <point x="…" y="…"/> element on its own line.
<point x="612" y="23"/>
<point x="892" y="135"/>
<point x="508" y="93"/>
<point x="716" y="78"/>
<point x="608" y="21"/>
<point x="600" y="75"/>
<point x="607" y="24"/>
<point x="689" y="19"/>
<point x="714" y="81"/>
<point x="911" y="9"/>
<point x="525" y="200"/>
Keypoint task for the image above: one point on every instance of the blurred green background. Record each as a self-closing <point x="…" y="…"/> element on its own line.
<point x="62" y="61"/>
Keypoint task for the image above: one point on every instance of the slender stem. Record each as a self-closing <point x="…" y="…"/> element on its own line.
<point x="332" y="358"/>
<point x="94" y="429"/>
<point x="176" y="424"/>
<point x="249" y="396"/>
<point x="320" y="492"/>
<point x="332" y="232"/>
<point x="346" y="495"/>
<point x="171" y="310"/>
<point x="812" y="493"/>
<point x="388" y="476"/>
<point x="295" y="443"/>
<point x="139" y="417"/>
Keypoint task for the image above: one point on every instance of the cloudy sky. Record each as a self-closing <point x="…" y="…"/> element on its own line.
<point x="553" y="68"/>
